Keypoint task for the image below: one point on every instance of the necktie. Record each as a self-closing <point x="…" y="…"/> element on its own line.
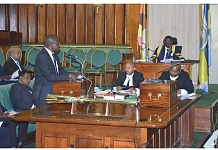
<point x="18" y="64"/>
<point x="128" y="82"/>
<point x="55" y="63"/>
<point x="167" y="54"/>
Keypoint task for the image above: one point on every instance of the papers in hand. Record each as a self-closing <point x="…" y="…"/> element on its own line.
<point x="187" y="96"/>
<point x="15" y="74"/>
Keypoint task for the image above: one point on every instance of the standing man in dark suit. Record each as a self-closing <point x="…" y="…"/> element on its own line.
<point x="166" y="51"/>
<point x="13" y="63"/>
<point x="184" y="82"/>
<point x="130" y="79"/>
<point x="21" y="99"/>
<point x="48" y="69"/>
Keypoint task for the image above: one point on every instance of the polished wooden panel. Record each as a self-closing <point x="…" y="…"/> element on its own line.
<point x="73" y="23"/>
<point x="119" y="24"/>
<point x="162" y="94"/>
<point x="90" y="125"/>
<point x="109" y="24"/>
<point x="90" y="24"/>
<point x="23" y="21"/>
<point x="13" y="20"/>
<point x="70" y="24"/>
<point x="150" y="69"/>
<point x="61" y="22"/>
<point x="3" y="17"/>
<point x="50" y="23"/>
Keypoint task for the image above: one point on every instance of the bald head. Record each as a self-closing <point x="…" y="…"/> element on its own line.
<point x="49" y="39"/>
<point x="51" y="42"/>
<point x="15" y="52"/>
<point x="130" y="68"/>
<point x="175" y="69"/>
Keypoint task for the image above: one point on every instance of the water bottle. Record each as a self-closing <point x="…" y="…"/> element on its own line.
<point x="147" y="58"/>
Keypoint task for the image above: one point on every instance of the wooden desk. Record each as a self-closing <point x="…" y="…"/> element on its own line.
<point x="149" y="69"/>
<point x="91" y="128"/>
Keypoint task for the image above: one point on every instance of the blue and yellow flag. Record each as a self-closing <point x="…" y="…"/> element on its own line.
<point x="141" y="42"/>
<point x="205" y="51"/>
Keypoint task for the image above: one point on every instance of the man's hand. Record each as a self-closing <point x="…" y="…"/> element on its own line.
<point x="72" y="76"/>
<point x="178" y="91"/>
<point x="118" y="88"/>
<point x="131" y="89"/>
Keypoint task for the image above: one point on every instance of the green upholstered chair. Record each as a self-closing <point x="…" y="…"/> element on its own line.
<point x="31" y="56"/>
<point x="2" y="57"/>
<point x="68" y="66"/>
<point x="98" y="64"/>
<point x="61" y="56"/>
<point x="114" y="57"/>
<point x="76" y="64"/>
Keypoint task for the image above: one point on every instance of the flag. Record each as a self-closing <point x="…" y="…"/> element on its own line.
<point x="141" y="41"/>
<point x="205" y="51"/>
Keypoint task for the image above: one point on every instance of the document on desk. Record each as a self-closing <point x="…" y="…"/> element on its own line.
<point x="187" y="96"/>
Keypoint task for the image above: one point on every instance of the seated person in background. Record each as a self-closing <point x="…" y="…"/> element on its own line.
<point x="129" y="79"/>
<point x="13" y="63"/>
<point x="184" y="83"/>
<point x="166" y="51"/>
<point x="4" y="77"/>
<point x="21" y="99"/>
<point x="4" y="137"/>
<point x="11" y="125"/>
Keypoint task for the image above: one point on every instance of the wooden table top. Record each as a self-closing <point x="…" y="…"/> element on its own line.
<point x="117" y="115"/>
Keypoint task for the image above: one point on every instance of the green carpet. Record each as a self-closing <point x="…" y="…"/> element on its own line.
<point x="31" y="145"/>
<point x="198" y="136"/>
<point x="207" y="99"/>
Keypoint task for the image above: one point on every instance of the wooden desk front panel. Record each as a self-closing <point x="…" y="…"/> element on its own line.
<point x="89" y="127"/>
<point x="149" y="69"/>
<point x="62" y="135"/>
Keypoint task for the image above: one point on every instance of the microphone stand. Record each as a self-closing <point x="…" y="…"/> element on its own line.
<point x="82" y="74"/>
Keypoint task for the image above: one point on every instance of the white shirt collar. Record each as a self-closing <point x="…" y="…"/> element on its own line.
<point x="173" y="78"/>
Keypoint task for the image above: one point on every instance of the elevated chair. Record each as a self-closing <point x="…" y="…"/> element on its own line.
<point x="179" y="48"/>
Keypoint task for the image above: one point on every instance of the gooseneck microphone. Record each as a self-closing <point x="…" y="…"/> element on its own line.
<point x="81" y="62"/>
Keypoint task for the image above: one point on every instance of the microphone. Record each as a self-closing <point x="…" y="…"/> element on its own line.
<point x="80" y="60"/>
<point x="72" y="56"/>
<point x="154" y="80"/>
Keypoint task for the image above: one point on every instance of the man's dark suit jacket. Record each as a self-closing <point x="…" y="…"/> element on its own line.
<point x="11" y="125"/>
<point x="21" y="98"/>
<point x="45" y="75"/>
<point x="183" y="81"/>
<point x="10" y="66"/>
<point x="160" y="56"/>
<point x="2" y="74"/>
<point x="137" y="79"/>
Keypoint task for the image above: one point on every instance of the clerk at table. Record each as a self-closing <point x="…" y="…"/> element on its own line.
<point x="130" y="79"/>
<point x="184" y="83"/>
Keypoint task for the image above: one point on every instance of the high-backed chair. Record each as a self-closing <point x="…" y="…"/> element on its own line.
<point x="2" y="57"/>
<point x="61" y="57"/>
<point x="114" y="57"/>
<point x="76" y="63"/>
<point x="97" y="66"/>
<point x="31" y="56"/>
<point x="69" y="60"/>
